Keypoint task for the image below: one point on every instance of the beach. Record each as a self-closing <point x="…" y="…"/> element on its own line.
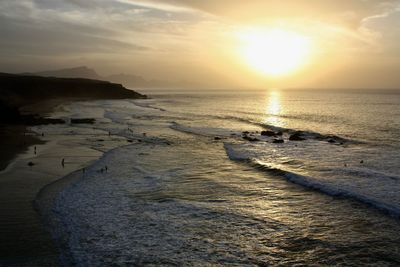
<point x="42" y="143"/>
<point x="211" y="186"/>
<point x="24" y="239"/>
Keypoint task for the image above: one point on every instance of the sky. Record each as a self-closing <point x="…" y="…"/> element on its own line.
<point x="353" y="43"/>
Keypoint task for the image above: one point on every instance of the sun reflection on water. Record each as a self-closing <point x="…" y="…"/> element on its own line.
<point x="274" y="109"/>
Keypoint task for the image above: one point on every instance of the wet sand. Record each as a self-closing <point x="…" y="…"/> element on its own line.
<point x="23" y="238"/>
<point x="15" y="140"/>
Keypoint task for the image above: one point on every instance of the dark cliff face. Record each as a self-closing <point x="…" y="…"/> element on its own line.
<point x="19" y="90"/>
<point x="8" y="113"/>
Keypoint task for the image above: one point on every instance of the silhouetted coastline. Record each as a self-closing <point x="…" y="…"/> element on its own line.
<point x="27" y="101"/>
<point x="19" y="91"/>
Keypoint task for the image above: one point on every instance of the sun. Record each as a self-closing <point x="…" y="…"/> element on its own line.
<point x="275" y="52"/>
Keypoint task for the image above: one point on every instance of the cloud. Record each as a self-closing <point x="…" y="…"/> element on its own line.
<point x="115" y="32"/>
<point x="157" y="5"/>
<point x="347" y="19"/>
<point x="27" y="27"/>
<point x="384" y="27"/>
<point x="350" y="12"/>
<point x="175" y="36"/>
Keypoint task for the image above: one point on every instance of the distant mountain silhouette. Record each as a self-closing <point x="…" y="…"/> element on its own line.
<point x="135" y="81"/>
<point x="128" y="80"/>
<point x="77" y="72"/>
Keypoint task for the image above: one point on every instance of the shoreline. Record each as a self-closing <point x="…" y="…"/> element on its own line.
<point x="44" y="202"/>
<point x="46" y="199"/>
<point x="15" y="140"/>
<point x="24" y="237"/>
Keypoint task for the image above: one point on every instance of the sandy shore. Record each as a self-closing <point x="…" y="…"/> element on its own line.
<point x="16" y="139"/>
<point x="23" y="238"/>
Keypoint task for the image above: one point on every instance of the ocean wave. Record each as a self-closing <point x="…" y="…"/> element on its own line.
<point x="329" y="187"/>
<point x="201" y="131"/>
<point x="301" y="117"/>
<point x="212" y="131"/>
<point x="308" y="134"/>
<point x="143" y="104"/>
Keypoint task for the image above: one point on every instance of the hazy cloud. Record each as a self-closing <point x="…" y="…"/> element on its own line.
<point x="262" y="9"/>
<point x="187" y="38"/>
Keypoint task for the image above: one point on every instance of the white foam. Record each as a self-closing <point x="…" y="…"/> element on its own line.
<point x="375" y="188"/>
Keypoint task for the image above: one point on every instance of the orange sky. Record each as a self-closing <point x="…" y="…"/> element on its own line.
<point x="355" y="43"/>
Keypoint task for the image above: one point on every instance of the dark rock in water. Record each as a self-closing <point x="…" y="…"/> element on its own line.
<point x="100" y="140"/>
<point x="10" y="114"/>
<point x="250" y="138"/>
<point x="30" y="163"/>
<point x="361" y="161"/>
<point x="233" y="134"/>
<point x="39" y="120"/>
<point x="84" y="120"/>
<point x="217" y="138"/>
<point x="297" y="136"/>
<point x="129" y="141"/>
<point x="278" y="141"/>
<point x="262" y="264"/>
<point x="30" y="119"/>
<point x="333" y="139"/>
<point x="280" y="133"/>
<point x="268" y="133"/>
<point x="245" y="132"/>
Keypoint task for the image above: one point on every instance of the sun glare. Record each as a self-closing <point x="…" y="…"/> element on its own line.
<point x="275" y="52"/>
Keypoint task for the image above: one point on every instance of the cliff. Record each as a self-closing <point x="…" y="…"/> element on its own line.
<point x="20" y="90"/>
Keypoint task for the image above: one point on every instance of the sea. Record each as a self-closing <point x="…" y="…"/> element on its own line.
<point x="238" y="178"/>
